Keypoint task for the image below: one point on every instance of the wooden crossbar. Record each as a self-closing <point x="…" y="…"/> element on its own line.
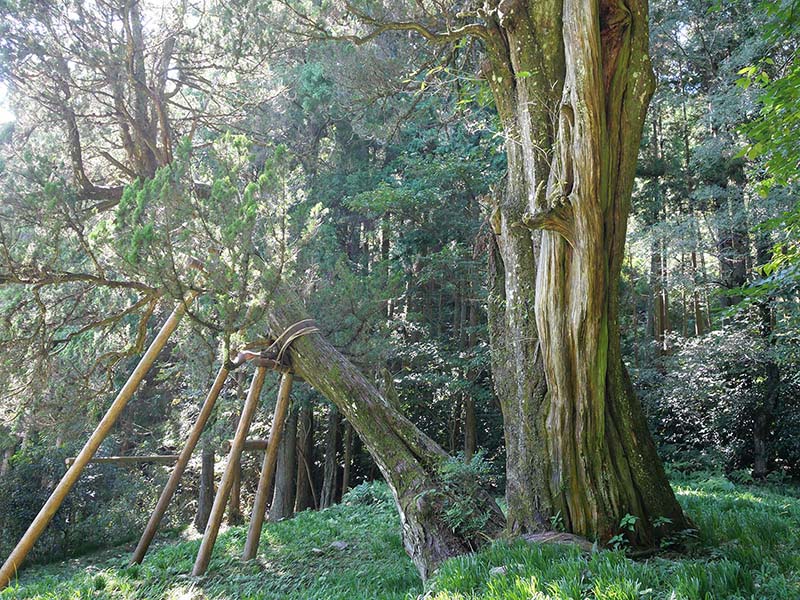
<point x="159" y="459"/>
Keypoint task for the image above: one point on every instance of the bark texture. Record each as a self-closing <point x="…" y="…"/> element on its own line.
<point x="331" y="468"/>
<point x="283" y="496"/>
<point x="407" y="458"/>
<point x="205" y="496"/>
<point x="347" y="457"/>
<point x="305" y="496"/>
<point x="572" y="81"/>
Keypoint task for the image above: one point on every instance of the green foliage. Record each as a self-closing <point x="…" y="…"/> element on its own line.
<point x="626" y="525"/>
<point x="774" y="132"/>
<point x="369" y="494"/>
<point x="107" y="506"/>
<point x="462" y="483"/>
<point x="701" y="410"/>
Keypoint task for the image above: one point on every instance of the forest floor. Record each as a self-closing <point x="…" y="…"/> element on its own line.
<point x="746" y="546"/>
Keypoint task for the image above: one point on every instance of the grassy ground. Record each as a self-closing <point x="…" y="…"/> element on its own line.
<point x="747" y="545"/>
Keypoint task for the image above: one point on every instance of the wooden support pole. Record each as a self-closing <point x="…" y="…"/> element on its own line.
<point x="221" y="499"/>
<point x="180" y="466"/>
<point x="37" y="527"/>
<point x="159" y="459"/>
<point x="268" y="468"/>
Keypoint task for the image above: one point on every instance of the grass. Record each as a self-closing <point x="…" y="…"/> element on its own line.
<point x="746" y="546"/>
<point x="295" y="561"/>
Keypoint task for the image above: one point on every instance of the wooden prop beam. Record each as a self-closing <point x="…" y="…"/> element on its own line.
<point x="221" y="499"/>
<point x="268" y="468"/>
<point x="252" y="445"/>
<point x="180" y="466"/>
<point x="159" y="459"/>
<point x="42" y="520"/>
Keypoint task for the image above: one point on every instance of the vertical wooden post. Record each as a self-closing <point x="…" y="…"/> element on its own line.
<point x="221" y="499"/>
<point x="180" y="467"/>
<point x="268" y="468"/>
<point x="55" y="500"/>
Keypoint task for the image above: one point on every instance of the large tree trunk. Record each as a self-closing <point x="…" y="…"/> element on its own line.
<point x="571" y="81"/>
<point x="408" y="459"/>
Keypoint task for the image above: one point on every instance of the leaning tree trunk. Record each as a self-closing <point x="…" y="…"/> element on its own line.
<point x="408" y="459"/>
<point x="572" y="81"/>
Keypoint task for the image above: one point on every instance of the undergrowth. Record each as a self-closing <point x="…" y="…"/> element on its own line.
<point x="746" y="547"/>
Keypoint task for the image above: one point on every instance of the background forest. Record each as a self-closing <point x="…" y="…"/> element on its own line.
<point x="137" y="134"/>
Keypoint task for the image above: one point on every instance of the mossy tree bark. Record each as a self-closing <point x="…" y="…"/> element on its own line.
<point x="571" y="80"/>
<point x="408" y="459"/>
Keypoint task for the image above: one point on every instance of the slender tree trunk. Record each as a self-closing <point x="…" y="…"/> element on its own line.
<point x="305" y="496"/>
<point x="733" y="245"/>
<point x="455" y="424"/>
<point x="347" y="457"/>
<point x="331" y="468"/>
<point x="468" y="398"/>
<point x="408" y="459"/>
<point x="697" y="309"/>
<point x="576" y="436"/>
<point x="5" y="464"/>
<point x="205" y="496"/>
<point x="765" y="409"/>
<point x="235" y="516"/>
<point x="283" y="497"/>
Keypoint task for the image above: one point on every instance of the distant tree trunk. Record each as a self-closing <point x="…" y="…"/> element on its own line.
<point x="388" y="305"/>
<point x="283" y="497"/>
<point x="699" y="317"/>
<point x="4" y="465"/>
<point x="205" y="498"/>
<point x="765" y="409"/>
<point x="704" y="275"/>
<point x="347" y="457"/>
<point x="304" y="496"/>
<point x="408" y="459"/>
<point x="235" y="516"/>
<point x="733" y="246"/>
<point x="658" y="285"/>
<point x="455" y="424"/>
<point x="468" y="398"/>
<point x="331" y="466"/>
<point x="571" y="82"/>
